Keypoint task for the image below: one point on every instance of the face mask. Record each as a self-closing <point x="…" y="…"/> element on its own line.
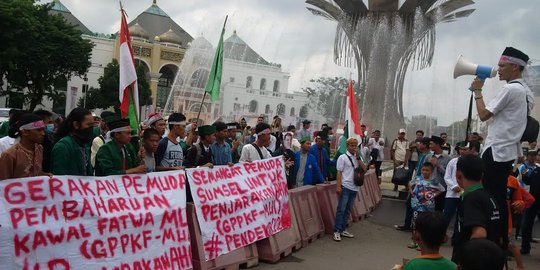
<point x="238" y="136"/>
<point x="330" y="137"/>
<point x="49" y="129"/>
<point x="84" y="135"/>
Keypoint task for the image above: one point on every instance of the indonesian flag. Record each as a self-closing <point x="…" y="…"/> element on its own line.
<point x="351" y="115"/>
<point x="128" y="92"/>
<point x="352" y="127"/>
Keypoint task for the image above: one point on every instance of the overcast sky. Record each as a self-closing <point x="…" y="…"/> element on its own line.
<point x="285" y="32"/>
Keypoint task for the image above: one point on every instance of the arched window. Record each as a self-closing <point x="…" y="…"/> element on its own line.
<point x="281" y="109"/>
<point x="292" y="111"/>
<point x="253" y="106"/>
<point x="276" y="86"/>
<point x="263" y="84"/>
<point x="304" y="112"/>
<point x="199" y="78"/>
<point x="267" y="109"/>
<point x="249" y="81"/>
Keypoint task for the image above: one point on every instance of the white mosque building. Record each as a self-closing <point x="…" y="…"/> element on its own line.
<point x="251" y="86"/>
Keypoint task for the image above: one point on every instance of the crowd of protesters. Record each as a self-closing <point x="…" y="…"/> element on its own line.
<point x="485" y="186"/>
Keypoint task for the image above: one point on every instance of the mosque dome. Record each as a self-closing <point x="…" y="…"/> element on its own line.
<point x="170" y="37"/>
<point x="137" y="31"/>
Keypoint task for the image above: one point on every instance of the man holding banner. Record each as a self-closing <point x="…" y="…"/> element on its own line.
<point x="200" y="154"/>
<point x="257" y="150"/>
<point x="24" y="159"/>
<point x="169" y="155"/>
<point x="118" y="156"/>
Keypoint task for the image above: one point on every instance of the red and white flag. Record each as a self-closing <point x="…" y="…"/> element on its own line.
<point x="352" y="116"/>
<point x="128" y="92"/>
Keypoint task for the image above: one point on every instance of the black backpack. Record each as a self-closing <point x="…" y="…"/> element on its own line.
<point x="358" y="174"/>
<point x="532" y="127"/>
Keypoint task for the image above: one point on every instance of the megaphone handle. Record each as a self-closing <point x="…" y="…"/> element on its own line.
<point x="481" y="78"/>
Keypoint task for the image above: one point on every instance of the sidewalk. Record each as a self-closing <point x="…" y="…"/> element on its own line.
<point x="376" y="246"/>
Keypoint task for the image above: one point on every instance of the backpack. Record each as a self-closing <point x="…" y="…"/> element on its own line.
<point x="532" y="127"/>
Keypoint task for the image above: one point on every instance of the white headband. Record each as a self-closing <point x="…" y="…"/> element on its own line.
<point x="154" y="119"/>
<point x="120" y="129"/>
<point x="512" y="60"/>
<point x="34" y="125"/>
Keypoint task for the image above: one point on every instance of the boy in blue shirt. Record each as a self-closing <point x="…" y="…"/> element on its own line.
<point x="423" y="195"/>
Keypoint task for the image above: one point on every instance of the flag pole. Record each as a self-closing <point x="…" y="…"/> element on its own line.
<point x="204" y="95"/>
<point x="200" y="108"/>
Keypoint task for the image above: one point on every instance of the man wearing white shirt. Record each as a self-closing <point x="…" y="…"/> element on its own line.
<point x="400" y="153"/>
<point x="507" y="114"/>
<point x="257" y="150"/>
<point x="345" y="188"/>
<point x="305" y="131"/>
<point x="376" y="146"/>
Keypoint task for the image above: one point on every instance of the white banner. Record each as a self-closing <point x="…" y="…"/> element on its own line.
<point x="239" y="205"/>
<point x="120" y="222"/>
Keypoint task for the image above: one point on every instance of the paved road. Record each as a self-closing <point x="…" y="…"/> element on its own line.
<point x="377" y="246"/>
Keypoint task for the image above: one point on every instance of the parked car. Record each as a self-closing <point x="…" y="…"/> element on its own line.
<point x="4" y="114"/>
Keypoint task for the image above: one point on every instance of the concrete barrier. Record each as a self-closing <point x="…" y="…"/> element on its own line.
<point x="307" y="212"/>
<point x="246" y="256"/>
<point x="368" y="200"/>
<point x="373" y="187"/>
<point x="280" y="244"/>
<point x="360" y="208"/>
<point x="328" y="200"/>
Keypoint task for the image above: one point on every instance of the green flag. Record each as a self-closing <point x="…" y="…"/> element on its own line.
<point x="343" y="143"/>
<point x="214" y="78"/>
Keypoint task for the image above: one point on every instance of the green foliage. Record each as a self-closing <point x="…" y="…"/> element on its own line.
<point x="38" y="49"/>
<point x="107" y="95"/>
<point x="328" y="96"/>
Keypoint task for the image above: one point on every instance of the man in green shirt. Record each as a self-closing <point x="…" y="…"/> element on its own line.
<point x="118" y="156"/>
<point x="71" y="154"/>
<point x="430" y="233"/>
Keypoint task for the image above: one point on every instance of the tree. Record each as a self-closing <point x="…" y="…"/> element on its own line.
<point x="107" y="96"/>
<point x="328" y="96"/>
<point x="38" y="50"/>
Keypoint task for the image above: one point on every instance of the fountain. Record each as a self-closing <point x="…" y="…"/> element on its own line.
<point x="188" y="87"/>
<point x="382" y="40"/>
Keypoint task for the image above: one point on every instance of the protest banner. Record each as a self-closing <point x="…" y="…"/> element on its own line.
<point x="120" y="222"/>
<point x="239" y="205"/>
